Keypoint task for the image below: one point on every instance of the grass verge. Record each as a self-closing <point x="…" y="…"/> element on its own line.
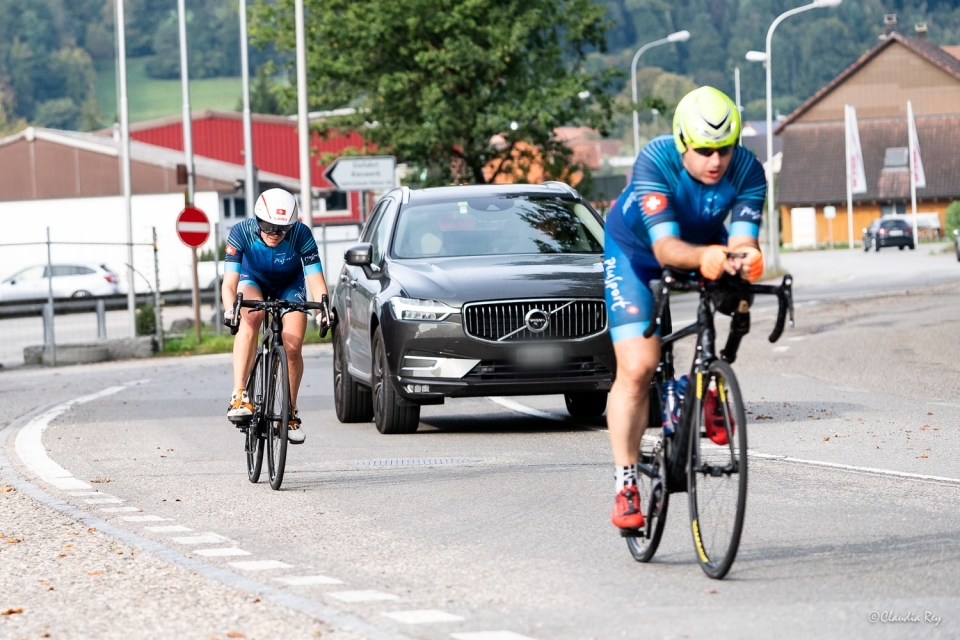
<point x="210" y="342"/>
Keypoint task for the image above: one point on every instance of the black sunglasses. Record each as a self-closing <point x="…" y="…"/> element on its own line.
<point x="706" y="152"/>
<point x="273" y="229"/>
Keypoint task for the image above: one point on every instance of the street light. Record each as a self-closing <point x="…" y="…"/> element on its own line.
<point x="679" y="36"/>
<point x="773" y="223"/>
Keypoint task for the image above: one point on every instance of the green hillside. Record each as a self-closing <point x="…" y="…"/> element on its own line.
<point x="152" y="98"/>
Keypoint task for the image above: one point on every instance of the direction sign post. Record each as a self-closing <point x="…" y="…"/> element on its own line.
<point x="362" y="173"/>
<point x="193" y="228"/>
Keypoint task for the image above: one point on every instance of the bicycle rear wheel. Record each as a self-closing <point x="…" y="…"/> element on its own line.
<point x="277" y="415"/>
<point x="651" y="483"/>
<point x="717" y="474"/>
<point x="254" y="443"/>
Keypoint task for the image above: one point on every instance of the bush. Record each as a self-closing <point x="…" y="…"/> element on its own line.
<point x="146" y="320"/>
<point x="953" y="217"/>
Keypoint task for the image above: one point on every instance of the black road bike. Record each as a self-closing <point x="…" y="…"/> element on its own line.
<point x="713" y="476"/>
<point x="269" y="388"/>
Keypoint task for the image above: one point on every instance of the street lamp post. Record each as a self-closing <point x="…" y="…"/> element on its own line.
<point x="679" y="36"/>
<point x="773" y="223"/>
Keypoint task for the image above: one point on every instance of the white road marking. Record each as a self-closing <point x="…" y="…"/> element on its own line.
<point x="103" y="501"/>
<point x="143" y="518"/>
<point x="489" y="635"/>
<point x="422" y="616"/>
<point x="947" y="404"/>
<point x="169" y="528"/>
<point x="781" y="349"/>
<point x="308" y="580"/>
<point x="850" y="467"/>
<point x="30" y="449"/>
<point x="80" y="494"/>
<point x="260" y="565"/>
<point x="361" y="596"/>
<point x="119" y="509"/>
<point x="522" y="408"/>
<point x="204" y="538"/>
<point x="221" y="552"/>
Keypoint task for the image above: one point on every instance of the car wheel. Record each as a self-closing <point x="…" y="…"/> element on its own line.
<point x="352" y="402"/>
<point x="586" y="405"/>
<point x="912" y="246"/>
<point x="388" y="415"/>
<point x="81" y="294"/>
<point x="902" y="247"/>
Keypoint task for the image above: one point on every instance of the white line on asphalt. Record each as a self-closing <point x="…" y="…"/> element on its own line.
<point x="361" y="596"/>
<point x="489" y="635"/>
<point x="423" y="616"/>
<point x="103" y="501"/>
<point x="169" y="528"/>
<point x="260" y="565"/>
<point x="781" y="349"/>
<point x="850" y="467"/>
<point x="119" y="509"/>
<point x="221" y="552"/>
<point x="947" y="404"/>
<point x="308" y="580"/>
<point x="204" y="538"/>
<point x="143" y="518"/>
<point x="80" y="494"/>
<point x="30" y="449"/>
<point x="522" y="408"/>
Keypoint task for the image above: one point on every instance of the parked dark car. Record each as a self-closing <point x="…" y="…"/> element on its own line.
<point x="888" y="232"/>
<point x="472" y="291"/>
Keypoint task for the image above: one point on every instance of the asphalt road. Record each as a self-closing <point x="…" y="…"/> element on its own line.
<point x="498" y="519"/>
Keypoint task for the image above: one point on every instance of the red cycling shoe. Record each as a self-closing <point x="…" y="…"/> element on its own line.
<point x="626" y="509"/>
<point x="713" y="419"/>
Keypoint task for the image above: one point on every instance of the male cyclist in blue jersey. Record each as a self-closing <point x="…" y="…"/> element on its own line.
<point x="684" y="187"/>
<point x="269" y="255"/>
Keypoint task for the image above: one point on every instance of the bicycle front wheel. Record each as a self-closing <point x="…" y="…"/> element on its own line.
<point x="277" y="415"/>
<point x="717" y="467"/>
<point x="255" y="444"/>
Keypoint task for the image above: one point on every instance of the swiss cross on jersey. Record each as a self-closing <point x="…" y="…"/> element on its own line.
<point x="653" y="203"/>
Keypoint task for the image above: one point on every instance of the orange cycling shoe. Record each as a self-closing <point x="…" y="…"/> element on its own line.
<point x="626" y="510"/>
<point x="713" y="419"/>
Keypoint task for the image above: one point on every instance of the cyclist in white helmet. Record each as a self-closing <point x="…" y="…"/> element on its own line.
<point x="275" y="255"/>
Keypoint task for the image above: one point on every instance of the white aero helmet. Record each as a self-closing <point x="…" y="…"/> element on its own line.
<point x="276" y="211"/>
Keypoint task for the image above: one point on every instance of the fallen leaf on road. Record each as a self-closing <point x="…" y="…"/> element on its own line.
<point x="713" y="590"/>
<point x="921" y="456"/>
<point x="6" y="489"/>
<point x="95" y="573"/>
<point x="760" y="417"/>
<point x="235" y="634"/>
<point x="10" y="612"/>
<point x="929" y="413"/>
<point x="91" y="530"/>
<point x="62" y="555"/>
<point x="825" y="438"/>
<point x="13" y="541"/>
<point x="100" y="480"/>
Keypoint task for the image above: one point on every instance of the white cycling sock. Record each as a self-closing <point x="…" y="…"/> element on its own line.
<point x="626" y="476"/>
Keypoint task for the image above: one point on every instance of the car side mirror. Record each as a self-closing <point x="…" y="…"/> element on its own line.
<point x="361" y="255"/>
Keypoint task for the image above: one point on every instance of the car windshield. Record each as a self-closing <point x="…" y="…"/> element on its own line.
<point x="496" y="225"/>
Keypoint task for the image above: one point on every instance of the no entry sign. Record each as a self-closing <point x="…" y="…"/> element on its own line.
<point x="193" y="227"/>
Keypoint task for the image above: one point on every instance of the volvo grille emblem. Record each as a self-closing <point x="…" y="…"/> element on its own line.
<point x="537" y="320"/>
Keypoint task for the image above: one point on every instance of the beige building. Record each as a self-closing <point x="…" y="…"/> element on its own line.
<point x="878" y="85"/>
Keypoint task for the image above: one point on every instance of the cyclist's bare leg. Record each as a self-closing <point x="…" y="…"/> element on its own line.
<point x="245" y="344"/>
<point x="294" y="328"/>
<point x="629" y="401"/>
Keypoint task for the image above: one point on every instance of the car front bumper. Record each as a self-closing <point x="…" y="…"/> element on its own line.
<point x="430" y="361"/>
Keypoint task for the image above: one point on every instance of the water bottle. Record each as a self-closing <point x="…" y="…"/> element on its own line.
<point x="680" y="391"/>
<point x="668" y="405"/>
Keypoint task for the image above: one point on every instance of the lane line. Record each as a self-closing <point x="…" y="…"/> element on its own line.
<point x="317" y="610"/>
<point x="169" y="528"/>
<point x="30" y="449"/>
<point x="222" y="552"/>
<point x="204" y="538"/>
<point x="299" y="581"/>
<point x="260" y="565"/>
<point x="489" y="635"/>
<point x="423" y="616"/>
<point x="120" y="509"/>
<point x="368" y="595"/>
<point x="103" y="501"/>
<point x="522" y="408"/>
<point x="143" y="519"/>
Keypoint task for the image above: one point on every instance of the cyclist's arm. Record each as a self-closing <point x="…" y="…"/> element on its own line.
<point x="317" y="284"/>
<point x="671" y="251"/>
<point x="310" y="256"/>
<point x="231" y="266"/>
<point x="228" y="290"/>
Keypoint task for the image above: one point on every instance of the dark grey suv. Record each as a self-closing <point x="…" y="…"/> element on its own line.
<point x="472" y="291"/>
<point x="888" y="232"/>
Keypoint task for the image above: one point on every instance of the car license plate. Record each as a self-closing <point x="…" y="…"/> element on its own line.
<point x="896" y="232"/>
<point x="539" y="356"/>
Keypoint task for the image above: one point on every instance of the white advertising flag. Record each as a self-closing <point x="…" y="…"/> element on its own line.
<point x="919" y="177"/>
<point x="855" y="172"/>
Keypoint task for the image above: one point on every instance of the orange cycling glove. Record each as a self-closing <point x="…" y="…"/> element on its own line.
<point x="753" y="262"/>
<point x="711" y="262"/>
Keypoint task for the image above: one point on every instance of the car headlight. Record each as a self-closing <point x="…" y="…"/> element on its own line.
<point x="412" y="309"/>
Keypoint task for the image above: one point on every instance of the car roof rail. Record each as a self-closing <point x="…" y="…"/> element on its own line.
<point x="556" y="184"/>
<point x="404" y="195"/>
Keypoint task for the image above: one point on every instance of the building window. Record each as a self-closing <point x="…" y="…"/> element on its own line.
<point x="337" y="201"/>
<point x="239" y="207"/>
<point x="895" y="158"/>
<point x="893" y="209"/>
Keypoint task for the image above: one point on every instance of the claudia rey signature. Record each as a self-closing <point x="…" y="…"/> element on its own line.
<point x="892" y="616"/>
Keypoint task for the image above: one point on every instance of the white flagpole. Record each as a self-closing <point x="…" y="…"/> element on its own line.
<point x="846" y="116"/>
<point x="306" y="200"/>
<point x="913" y="171"/>
<point x="248" y="189"/>
<point x="125" y="164"/>
<point x="185" y="97"/>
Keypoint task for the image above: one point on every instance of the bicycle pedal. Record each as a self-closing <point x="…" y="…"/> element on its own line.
<point x="240" y="422"/>
<point x="632" y="533"/>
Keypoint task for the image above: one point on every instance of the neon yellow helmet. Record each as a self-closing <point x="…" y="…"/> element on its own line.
<point x="706" y="117"/>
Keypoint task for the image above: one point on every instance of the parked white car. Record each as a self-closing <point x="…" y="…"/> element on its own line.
<point x="69" y="281"/>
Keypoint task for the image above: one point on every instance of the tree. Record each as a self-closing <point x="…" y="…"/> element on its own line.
<point x="467" y="89"/>
<point x="953" y="216"/>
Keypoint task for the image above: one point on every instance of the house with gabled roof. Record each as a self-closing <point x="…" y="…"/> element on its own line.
<point x="879" y="84"/>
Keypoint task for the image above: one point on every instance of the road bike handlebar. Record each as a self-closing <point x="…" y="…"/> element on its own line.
<point x="674" y="280"/>
<point x="276" y="305"/>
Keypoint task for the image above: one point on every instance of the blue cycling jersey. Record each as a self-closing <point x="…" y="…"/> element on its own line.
<point x="275" y="267"/>
<point x="664" y="200"/>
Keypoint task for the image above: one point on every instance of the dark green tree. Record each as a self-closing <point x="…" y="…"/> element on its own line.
<point x="444" y="81"/>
